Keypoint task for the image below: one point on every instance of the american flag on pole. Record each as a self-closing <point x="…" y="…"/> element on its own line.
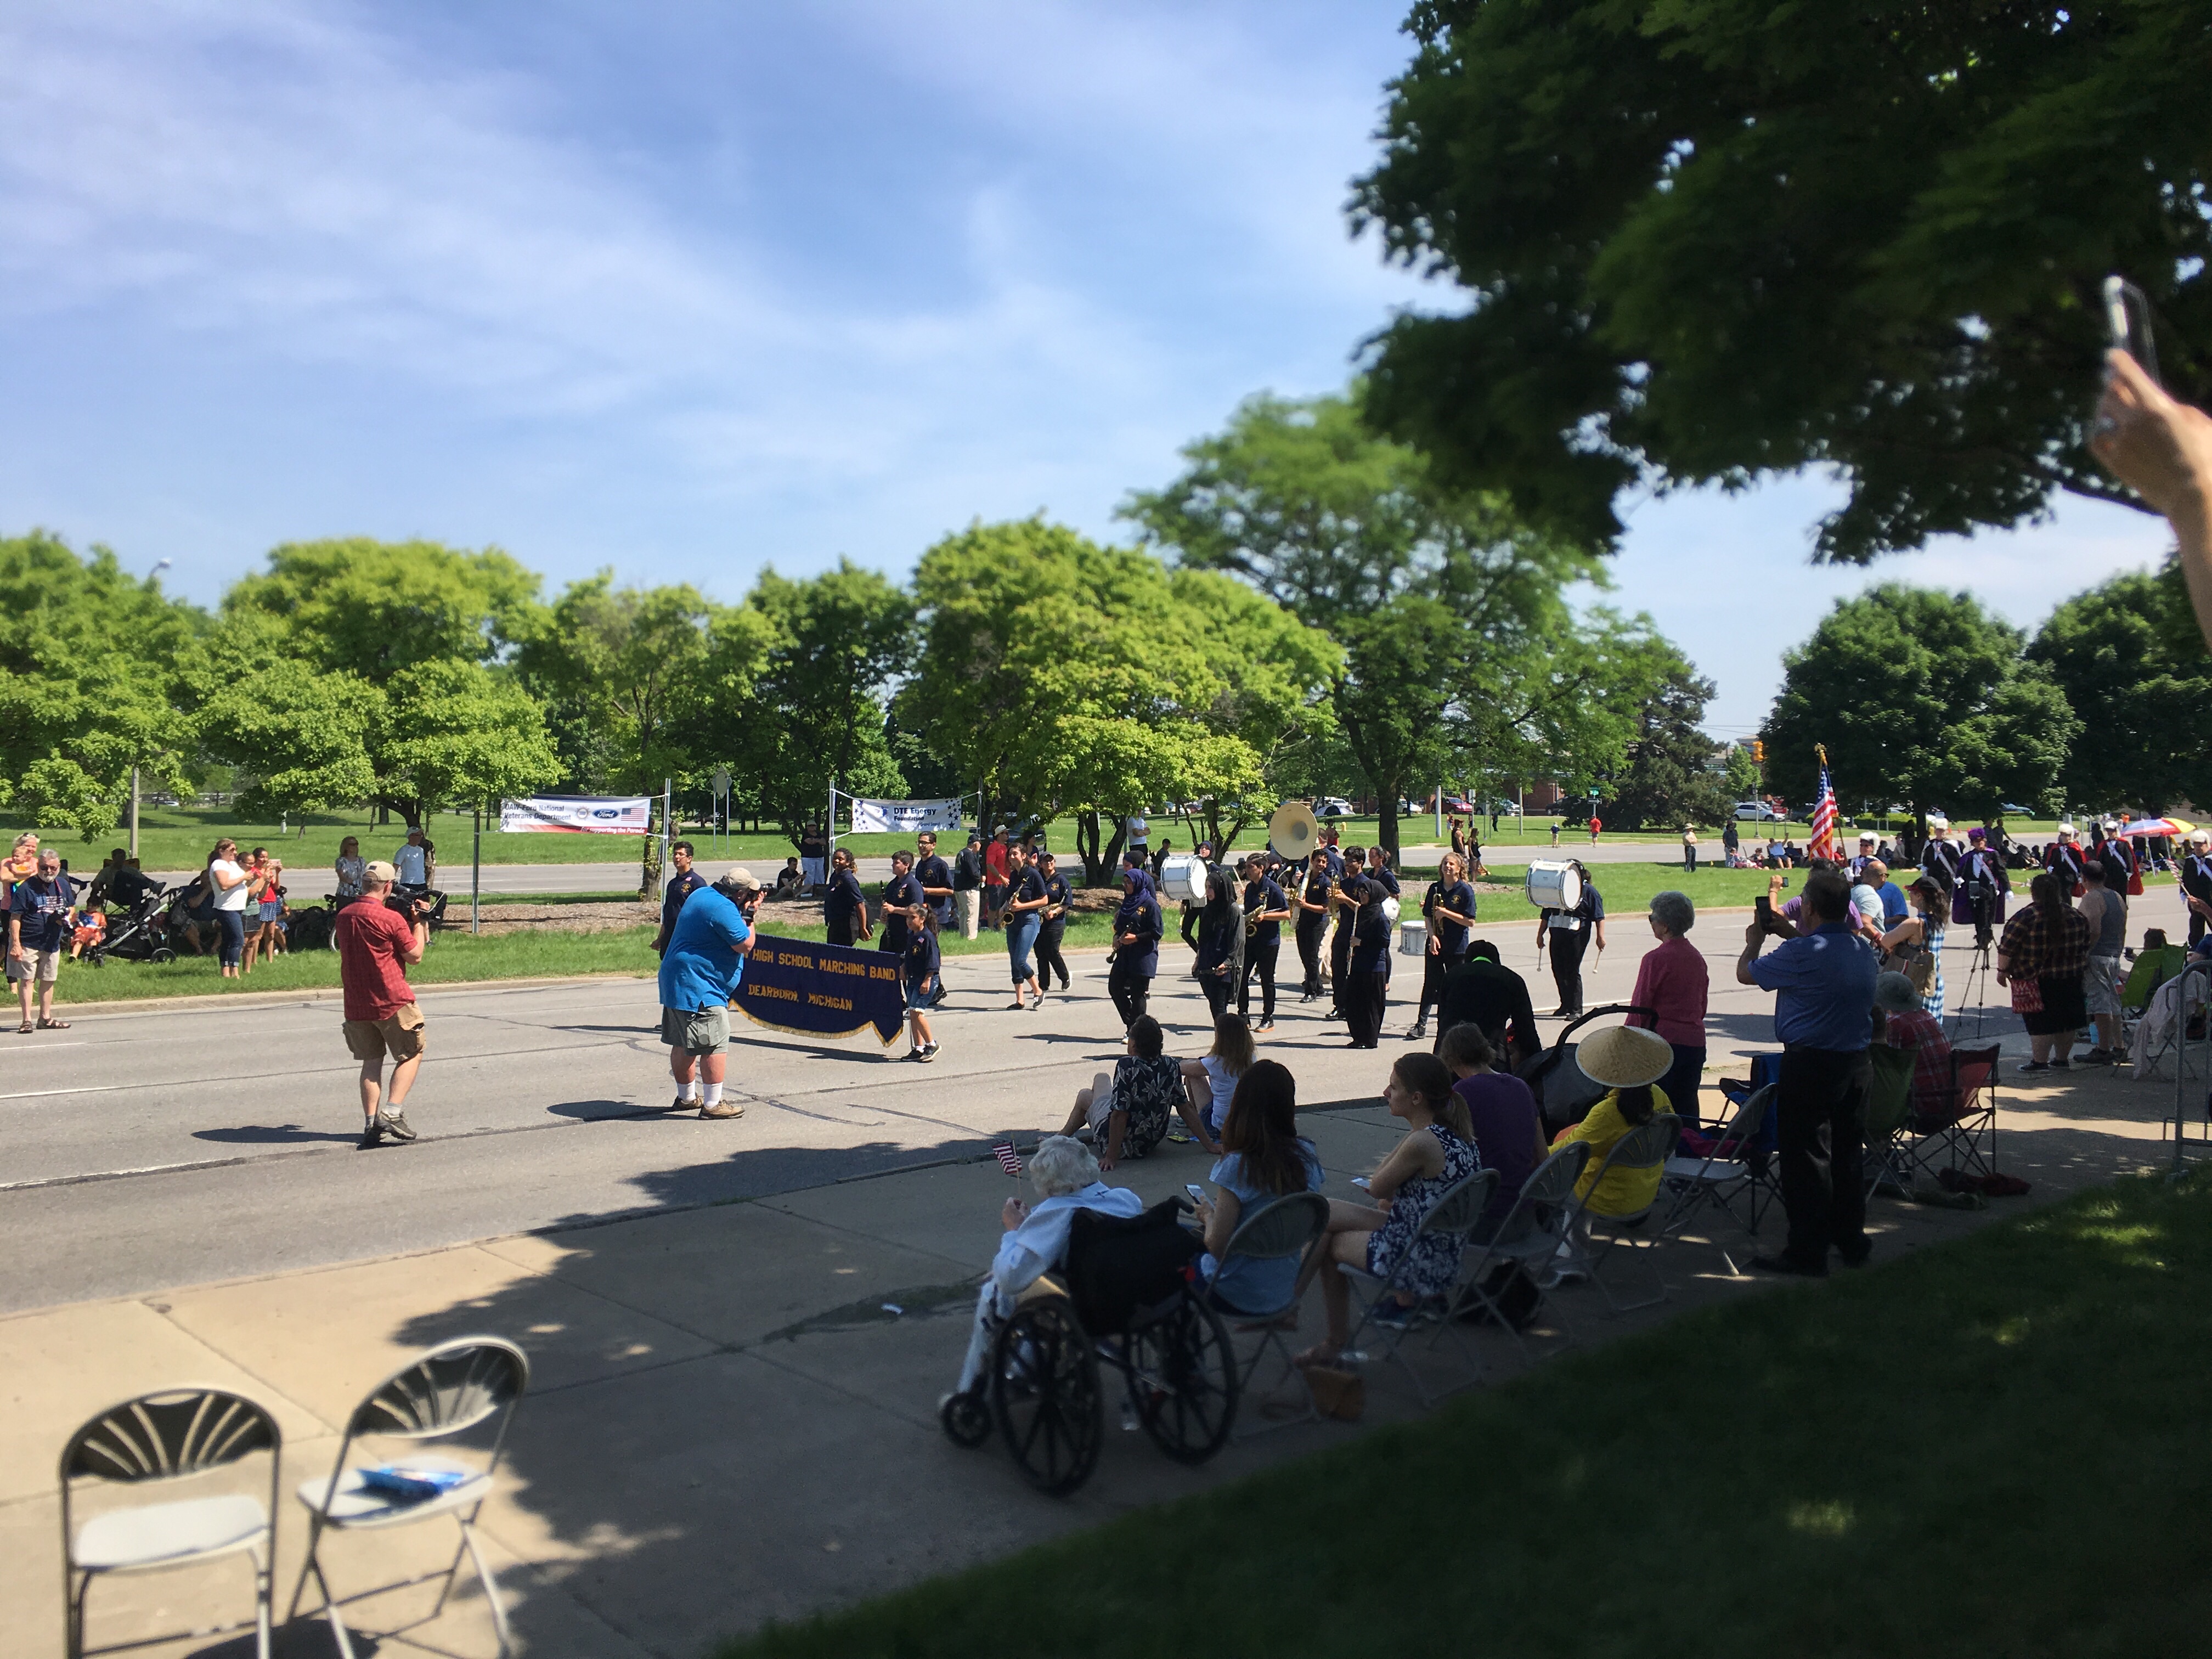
<point x="1823" y="845"/>
<point x="1008" y="1159"/>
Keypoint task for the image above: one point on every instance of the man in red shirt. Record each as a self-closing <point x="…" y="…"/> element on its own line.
<point x="375" y="943"/>
<point x="995" y="879"/>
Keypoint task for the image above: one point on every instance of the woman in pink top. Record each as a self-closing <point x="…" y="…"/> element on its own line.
<point x="1671" y="981"/>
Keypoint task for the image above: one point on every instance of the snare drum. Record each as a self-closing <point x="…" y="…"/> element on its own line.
<point x="1182" y="877"/>
<point x="1554" y="886"/>
<point x="1412" y="937"/>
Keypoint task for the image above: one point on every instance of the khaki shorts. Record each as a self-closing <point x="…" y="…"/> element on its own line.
<point x="42" y="965"/>
<point x="706" y="1032"/>
<point x="399" y="1034"/>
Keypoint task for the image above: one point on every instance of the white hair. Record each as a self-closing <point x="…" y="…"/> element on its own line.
<point x="1674" y="912"/>
<point x="1061" y="1164"/>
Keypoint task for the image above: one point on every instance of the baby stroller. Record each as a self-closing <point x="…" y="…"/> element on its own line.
<point x="1563" y="1095"/>
<point x="1130" y="1303"/>
<point x="142" y="935"/>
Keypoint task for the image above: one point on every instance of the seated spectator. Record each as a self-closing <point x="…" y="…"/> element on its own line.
<point x="1437" y="1154"/>
<point x="1910" y="1025"/>
<point x="1213" y="1080"/>
<point x="1065" y="1177"/>
<point x="790" y="881"/>
<point x="1486" y="994"/>
<point x="1125" y="1116"/>
<point x="1629" y="1062"/>
<point x="91" y="929"/>
<point x="1507" y="1129"/>
<point x="2157" y="962"/>
<point x="191" y="918"/>
<point x="1266" y="1158"/>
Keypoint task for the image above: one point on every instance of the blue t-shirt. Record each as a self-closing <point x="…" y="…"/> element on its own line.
<point x="1057" y="895"/>
<point x="1893" y="908"/>
<point x="1458" y="898"/>
<point x="899" y="893"/>
<point x="934" y="872"/>
<point x="841" y="905"/>
<point x="703" y="965"/>
<point x="679" y="888"/>
<point x="923" y="958"/>
<point x="44" y="907"/>
<point x="1823" y="983"/>
<point x="1256" y="1286"/>
<point x="1262" y="896"/>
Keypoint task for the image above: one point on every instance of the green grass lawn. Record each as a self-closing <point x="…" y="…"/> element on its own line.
<point x="1992" y="1447"/>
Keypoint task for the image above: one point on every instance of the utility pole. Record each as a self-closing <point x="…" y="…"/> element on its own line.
<point x="134" y="805"/>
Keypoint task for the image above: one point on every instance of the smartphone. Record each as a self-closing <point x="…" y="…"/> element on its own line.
<point x="1764" y="907"/>
<point x="2127" y="317"/>
<point x="1194" y="1190"/>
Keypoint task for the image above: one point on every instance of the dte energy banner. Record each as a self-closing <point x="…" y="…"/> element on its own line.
<point x="578" y="815"/>
<point x="903" y="817"/>
<point x="823" y="990"/>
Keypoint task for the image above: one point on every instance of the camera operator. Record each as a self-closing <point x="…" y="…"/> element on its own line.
<point x="1824" y="979"/>
<point x="376" y="939"/>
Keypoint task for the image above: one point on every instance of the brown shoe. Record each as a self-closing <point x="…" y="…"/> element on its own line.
<point x="724" y="1109"/>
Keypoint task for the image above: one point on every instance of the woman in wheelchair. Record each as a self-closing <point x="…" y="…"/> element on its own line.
<point x="1437" y="1154"/>
<point x="1265" y="1158"/>
<point x="1066" y="1176"/>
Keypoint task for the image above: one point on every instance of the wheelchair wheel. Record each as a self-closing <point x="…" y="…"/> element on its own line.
<point x="1044" y="1392"/>
<point x="1183" y="1374"/>
<point x="966" y="1418"/>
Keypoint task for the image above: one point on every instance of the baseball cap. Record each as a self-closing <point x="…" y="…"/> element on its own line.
<point x="378" y="869"/>
<point x="738" y="879"/>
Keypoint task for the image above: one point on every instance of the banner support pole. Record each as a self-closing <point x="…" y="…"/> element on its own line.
<point x="476" y="867"/>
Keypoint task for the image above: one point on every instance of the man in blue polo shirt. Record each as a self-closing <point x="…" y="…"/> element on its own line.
<point x="1823" y="981"/>
<point x="699" y="973"/>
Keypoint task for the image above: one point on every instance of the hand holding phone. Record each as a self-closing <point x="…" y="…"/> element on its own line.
<point x="1196" y="1191"/>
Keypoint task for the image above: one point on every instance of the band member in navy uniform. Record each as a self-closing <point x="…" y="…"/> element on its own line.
<point x="1449" y="907"/>
<point x="1050" y="962"/>
<point x="1266" y="909"/>
<point x="844" y="909"/>
<point x="902" y="894"/>
<point x="1312" y="923"/>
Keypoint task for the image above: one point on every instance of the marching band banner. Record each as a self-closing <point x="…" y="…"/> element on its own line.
<point x="578" y="815"/>
<point x="823" y="990"/>
<point x="903" y="817"/>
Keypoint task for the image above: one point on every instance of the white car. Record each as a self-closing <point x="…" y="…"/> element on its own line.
<point x="1758" y="811"/>
<point x="1332" y="807"/>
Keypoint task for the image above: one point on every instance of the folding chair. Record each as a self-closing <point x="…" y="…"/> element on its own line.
<point x="1647" y="1146"/>
<point x="1888" y="1160"/>
<point x="1965" y="1134"/>
<point x="1282" y="1227"/>
<point x="1722" y="1179"/>
<point x="1528" y="1238"/>
<point x="445" y="1392"/>
<point x="172" y="1435"/>
<point x="1453" y="1216"/>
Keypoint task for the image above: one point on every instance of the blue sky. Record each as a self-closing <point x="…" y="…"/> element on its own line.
<point x="688" y="289"/>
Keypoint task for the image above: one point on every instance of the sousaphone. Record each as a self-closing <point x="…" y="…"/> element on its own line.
<point x="1293" y="832"/>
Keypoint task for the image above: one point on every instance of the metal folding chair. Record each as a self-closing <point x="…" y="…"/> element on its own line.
<point x="438" y="1394"/>
<point x="1966" y="1136"/>
<point x="1453" y="1216"/>
<point x="1528" y="1238"/>
<point x="1648" y="1145"/>
<point x="1722" y="1180"/>
<point x="1282" y="1227"/>
<point x="175" y="1434"/>
<point x="1888" y="1157"/>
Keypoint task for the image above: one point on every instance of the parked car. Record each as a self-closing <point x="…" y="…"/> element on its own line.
<point x="1758" y="811"/>
<point x="2014" y="809"/>
<point x="1332" y="807"/>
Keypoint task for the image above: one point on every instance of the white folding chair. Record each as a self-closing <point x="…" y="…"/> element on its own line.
<point x="1282" y="1228"/>
<point x="1721" y="1180"/>
<point x="438" y="1394"/>
<point x="1528" y="1238"/>
<point x="175" y="1434"/>
<point x="1647" y="1146"/>
<point x="1452" y="1216"/>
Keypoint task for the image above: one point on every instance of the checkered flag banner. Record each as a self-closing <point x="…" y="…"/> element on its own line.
<point x="1823" y="844"/>
<point x="1004" y="1152"/>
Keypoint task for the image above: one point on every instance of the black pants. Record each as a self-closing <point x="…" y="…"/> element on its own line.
<point x="1339" y="964"/>
<point x="1434" y="967"/>
<point x="1129" y="988"/>
<point x="1049" y="958"/>
<point x="1310" y="929"/>
<point x="1259" y="959"/>
<point x="1219" y="990"/>
<point x="1820" y="1124"/>
<point x="840" y="932"/>
<point x="1363" y="1007"/>
<point x="1567" y="964"/>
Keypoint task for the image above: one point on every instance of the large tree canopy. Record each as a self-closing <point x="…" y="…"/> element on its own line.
<point x="1708" y="240"/>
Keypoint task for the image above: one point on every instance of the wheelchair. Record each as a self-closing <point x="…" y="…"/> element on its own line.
<point x="1131" y="1305"/>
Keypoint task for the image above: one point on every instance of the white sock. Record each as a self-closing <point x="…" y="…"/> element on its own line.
<point x="687" y="1090"/>
<point x="714" y="1095"/>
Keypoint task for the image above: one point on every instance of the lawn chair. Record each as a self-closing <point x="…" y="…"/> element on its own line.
<point x="1284" y="1227"/>
<point x="173" y="1434"/>
<point x="1889" y="1152"/>
<point x="1647" y="1146"/>
<point x="1723" y="1179"/>
<point x="1528" y="1238"/>
<point x="1964" y="1134"/>
<point x="1453" y="1216"/>
<point x="438" y="1394"/>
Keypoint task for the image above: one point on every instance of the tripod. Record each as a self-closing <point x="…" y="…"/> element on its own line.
<point x="1976" y="987"/>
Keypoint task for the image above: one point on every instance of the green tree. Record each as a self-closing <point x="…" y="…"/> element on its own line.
<point x="2128" y="657"/>
<point x="1710" y="240"/>
<point x="1668" y="779"/>
<point x="373" y="608"/>
<point x="1746" y="780"/>
<point x="1923" y="697"/>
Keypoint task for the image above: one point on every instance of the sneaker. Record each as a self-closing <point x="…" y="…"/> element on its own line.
<point x="914" y="1052"/>
<point x="925" y="1054"/>
<point x="2098" y="1057"/>
<point x="372" y="1133"/>
<point x="1393" y="1316"/>
<point x="1419" y="1029"/>
<point x="395" y="1124"/>
<point x="723" y="1109"/>
<point x="2032" y="1065"/>
<point x="1179" y="1131"/>
<point x="2062" y="1063"/>
<point x="1266" y="1025"/>
<point x="680" y="1104"/>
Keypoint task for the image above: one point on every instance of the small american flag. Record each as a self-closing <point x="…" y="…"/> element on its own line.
<point x="1008" y="1161"/>
<point x="1823" y="844"/>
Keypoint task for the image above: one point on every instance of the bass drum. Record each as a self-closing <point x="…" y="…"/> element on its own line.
<point x="1552" y="886"/>
<point x="1182" y="877"/>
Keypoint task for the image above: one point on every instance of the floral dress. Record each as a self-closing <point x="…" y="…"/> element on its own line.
<point x="1147" y="1090"/>
<point x="1436" y="1258"/>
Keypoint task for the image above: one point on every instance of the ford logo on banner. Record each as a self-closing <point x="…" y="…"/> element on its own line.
<point x="607" y="812"/>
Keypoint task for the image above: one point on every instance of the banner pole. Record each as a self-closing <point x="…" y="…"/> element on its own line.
<point x="476" y="867"/>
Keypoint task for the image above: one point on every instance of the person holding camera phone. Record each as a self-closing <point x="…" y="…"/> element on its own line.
<point x="377" y="938"/>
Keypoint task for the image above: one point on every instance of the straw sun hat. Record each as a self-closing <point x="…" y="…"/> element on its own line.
<point x="1625" y="1057"/>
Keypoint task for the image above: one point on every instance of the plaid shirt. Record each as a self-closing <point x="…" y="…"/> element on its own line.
<point x="2039" y="943"/>
<point x="1922" y="1032"/>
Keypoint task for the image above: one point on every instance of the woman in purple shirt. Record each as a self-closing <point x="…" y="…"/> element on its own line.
<point x="1671" y="981"/>
<point x="1508" y="1136"/>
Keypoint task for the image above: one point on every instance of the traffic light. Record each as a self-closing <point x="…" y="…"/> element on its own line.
<point x="1758" y="752"/>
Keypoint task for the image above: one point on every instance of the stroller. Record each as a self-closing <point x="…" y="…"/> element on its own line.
<point x="142" y="935"/>
<point x="1563" y="1095"/>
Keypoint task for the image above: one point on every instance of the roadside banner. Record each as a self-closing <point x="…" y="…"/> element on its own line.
<point x="903" y="817"/>
<point x="823" y="990"/>
<point x="578" y="815"/>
